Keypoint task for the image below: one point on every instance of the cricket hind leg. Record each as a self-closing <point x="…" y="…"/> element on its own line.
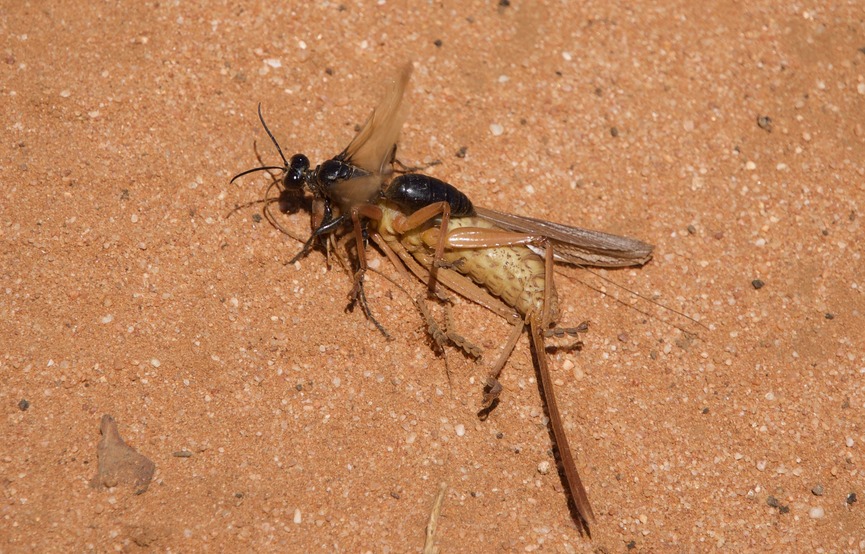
<point x="572" y="477"/>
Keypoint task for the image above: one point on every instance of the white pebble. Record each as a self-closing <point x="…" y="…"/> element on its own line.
<point x="107" y="319"/>
<point x="297" y="515"/>
<point x="816" y="512"/>
<point x="155" y="362"/>
<point x="496" y="129"/>
<point x="273" y="62"/>
<point x="460" y="429"/>
<point x="544" y="467"/>
<point x="849" y="442"/>
<point x="567" y="56"/>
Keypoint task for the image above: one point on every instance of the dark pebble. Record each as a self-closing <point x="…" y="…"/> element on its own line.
<point x="757" y="284"/>
<point x="765" y="123"/>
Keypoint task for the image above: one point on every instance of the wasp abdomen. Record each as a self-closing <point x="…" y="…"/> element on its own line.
<point x="414" y="191"/>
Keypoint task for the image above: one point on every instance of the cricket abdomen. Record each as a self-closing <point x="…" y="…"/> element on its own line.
<point x="513" y="273"/>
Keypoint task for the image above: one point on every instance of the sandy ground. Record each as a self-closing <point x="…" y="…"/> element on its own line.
<point x="732" y="137"/>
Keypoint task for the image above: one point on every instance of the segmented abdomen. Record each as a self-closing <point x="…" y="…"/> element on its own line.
<point x="513" y="273"/>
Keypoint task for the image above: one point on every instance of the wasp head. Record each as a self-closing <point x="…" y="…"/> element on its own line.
<point x="296" y="173"/>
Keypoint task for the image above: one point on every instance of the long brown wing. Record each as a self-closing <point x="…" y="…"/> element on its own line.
<point x="373" y="147"/>
<point x="576" y="245"/>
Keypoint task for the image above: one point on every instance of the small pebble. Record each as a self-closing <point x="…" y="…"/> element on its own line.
<point x="765" y="123"/>
<point x="155" y="362"/>
<point x="23" y="404"/>
<point x="818" y="490"/>
<point x="851" y="499"/>
<point x="544" y="467"/>
<point x="460" y="429"/>
<point x="816" y="512"/>
<point x="757" y="284"/>
<point x="496" y="129"/>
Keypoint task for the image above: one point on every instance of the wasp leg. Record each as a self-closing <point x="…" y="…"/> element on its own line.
<point x="418" y="218"/>
<point x="411" y="168"/>
<point x="357" y="293"/>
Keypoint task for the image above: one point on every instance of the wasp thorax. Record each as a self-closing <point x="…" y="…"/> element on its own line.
<point x="332" y="171"/>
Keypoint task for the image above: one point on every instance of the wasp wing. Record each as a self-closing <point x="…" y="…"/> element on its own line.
<point x="375" y="144"/>
<point x="575" y="245"/>
<point x="357" y="190"/>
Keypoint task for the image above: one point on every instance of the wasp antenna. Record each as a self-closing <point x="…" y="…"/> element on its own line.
<point x="253" y="170"/>
<point x="278" y="149"/>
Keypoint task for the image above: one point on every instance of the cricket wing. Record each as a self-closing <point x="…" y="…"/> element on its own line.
<point x="576" y="245"/>
<point x="375" y="144"/>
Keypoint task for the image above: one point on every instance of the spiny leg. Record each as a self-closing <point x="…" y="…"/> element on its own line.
<point x="493" y="388"/>
<point x="357" y="292"/>
<point x="457" y="339"/>
<point x="438" y="335"/>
